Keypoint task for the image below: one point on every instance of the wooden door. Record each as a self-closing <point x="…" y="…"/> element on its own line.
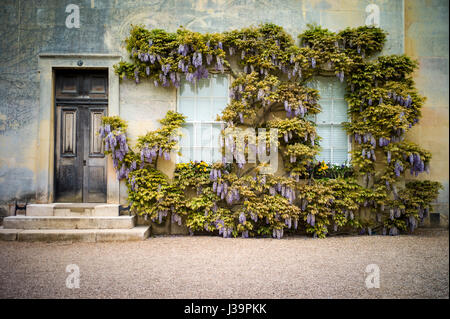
<point x="80" y="165"/>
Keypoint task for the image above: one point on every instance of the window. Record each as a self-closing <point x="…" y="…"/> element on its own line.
<point x="201" y="103"/>
<point x="335" y="142"/>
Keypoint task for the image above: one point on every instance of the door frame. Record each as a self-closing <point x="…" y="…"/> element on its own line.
<point x="45" y="164"/>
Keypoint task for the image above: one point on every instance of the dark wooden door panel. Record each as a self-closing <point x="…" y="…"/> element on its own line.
<point x="94" y="186"/>
<point x="80" y="165"/>
<point x="69" y="155"/>
<point x="81" y="85"/>
<point x="95" y="141"/>
<point x="69" y="132"/>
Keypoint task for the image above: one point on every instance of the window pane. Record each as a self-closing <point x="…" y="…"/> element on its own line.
<point x="187" y="139"/>
<point x="325" y="155"/>
<point x="216" y="129"/>
<point x="217" y="155"/>
<point x="326" y="114"/>
<point x="205" y="135"/>
<point x="339" y="138"/>
<point x="204" y="109"/>
<point x="197" y="135"/>
<point x="206" y="154"/>
<point x="324" y="131"/>
<point x="340" y="111"/>
<point x="340" y="156"/>
<point x="187" y="107"/>
<point x="204" y="88"/>
<point x="325" y="87"/>
<point x="197" y="156"/>
<point x="220" y="86"/>
<point x="187" y="88"/>
<point x="218" y="105"/>
<point x="338" y="89"/>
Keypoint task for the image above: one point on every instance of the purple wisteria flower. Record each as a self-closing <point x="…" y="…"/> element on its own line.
<point x="242" y="218"/>
<point x="393" y="231"/>
<point x="183" y="49"/>
<point x="398" y="168"/>
<point x="197" y="59"/>
<point x="277" y="233"/>
<point x="176" y="219"/>
<point x="340" y="76"/>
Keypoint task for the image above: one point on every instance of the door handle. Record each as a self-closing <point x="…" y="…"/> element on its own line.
<point x="84" y="162"/>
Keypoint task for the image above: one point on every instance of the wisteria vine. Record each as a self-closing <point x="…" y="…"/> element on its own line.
<point x="270" y="89"/>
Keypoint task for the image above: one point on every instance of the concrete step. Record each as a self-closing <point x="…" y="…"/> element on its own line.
<point x="73" y="209"/>
<point x="75" y="235"/>
<point x="68" y="222"/>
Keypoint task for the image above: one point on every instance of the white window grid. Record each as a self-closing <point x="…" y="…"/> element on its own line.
<point x="332" y="123"/>
<point x="198" y="124"/>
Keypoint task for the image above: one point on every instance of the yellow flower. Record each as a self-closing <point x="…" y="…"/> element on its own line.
<point x="323" y="166"/>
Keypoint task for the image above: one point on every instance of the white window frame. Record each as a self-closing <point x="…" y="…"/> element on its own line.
<point x="195" y="124"/>
<point x="333" y="124"/>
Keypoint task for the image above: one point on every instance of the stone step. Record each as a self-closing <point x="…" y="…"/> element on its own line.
<point x="75" y="235"/>
<point x="73" y="209"/>
<point x="68" y="222"/>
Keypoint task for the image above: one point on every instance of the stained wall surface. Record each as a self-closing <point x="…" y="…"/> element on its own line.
<point x="426" y="40"/>
<point x="33" y="27"/>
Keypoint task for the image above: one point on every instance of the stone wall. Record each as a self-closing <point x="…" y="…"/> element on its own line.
<point x="426" y="39"/>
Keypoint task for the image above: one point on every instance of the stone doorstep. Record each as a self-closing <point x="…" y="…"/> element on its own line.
<point x="68" y="222"/>
<point x="73" y="209"/>
<point x="75" y="235"/>
<point x="8" y="234"/>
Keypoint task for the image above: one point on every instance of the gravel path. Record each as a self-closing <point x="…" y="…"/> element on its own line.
<point x="413" y="266"/>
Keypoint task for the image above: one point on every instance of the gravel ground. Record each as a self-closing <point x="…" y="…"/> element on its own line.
<point x="411" y="266"/>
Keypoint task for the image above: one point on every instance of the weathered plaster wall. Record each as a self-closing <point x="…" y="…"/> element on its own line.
<point x="30" y="28"/>
<point x="142" y="106"/>
<point x="426" y="39"/>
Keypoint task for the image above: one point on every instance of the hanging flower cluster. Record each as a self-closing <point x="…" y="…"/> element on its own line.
<point x="414" y="202"/>
<point x="113" y="133"/>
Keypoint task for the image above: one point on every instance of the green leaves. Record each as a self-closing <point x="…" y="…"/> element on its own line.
<point x="365" y="39"/>
<point x="164" y="138"/>
<point x="115" y="123"/>
<point x="298" y="128"/>
<point x="419" y="195"/>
